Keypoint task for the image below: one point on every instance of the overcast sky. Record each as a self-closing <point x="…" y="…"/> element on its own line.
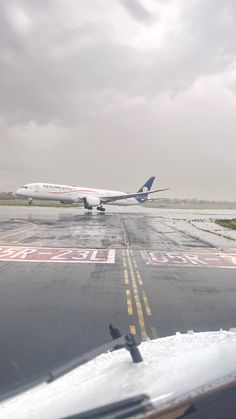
<point x="105" y="93"/>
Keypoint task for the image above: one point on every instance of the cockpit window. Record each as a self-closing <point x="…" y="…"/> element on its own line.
<point x="25" y="187"/>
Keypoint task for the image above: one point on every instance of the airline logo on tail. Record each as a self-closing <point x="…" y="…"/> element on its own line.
<point x="145" y="188"/>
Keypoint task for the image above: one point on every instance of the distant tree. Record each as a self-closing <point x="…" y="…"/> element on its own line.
<point x="7" y="195"/>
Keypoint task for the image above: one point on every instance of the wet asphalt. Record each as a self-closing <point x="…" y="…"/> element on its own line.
<point x="53" y="312"/>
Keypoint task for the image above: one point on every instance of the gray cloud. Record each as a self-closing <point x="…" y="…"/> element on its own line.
<point x="137" y="11"/>
<point x="67" y="73"/>
<point x="205" y="45"/>
<point x="80" y="90"/>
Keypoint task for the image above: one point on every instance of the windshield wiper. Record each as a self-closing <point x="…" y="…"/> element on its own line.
<point x="137" y="406"/>
<point x="128" y="342"/>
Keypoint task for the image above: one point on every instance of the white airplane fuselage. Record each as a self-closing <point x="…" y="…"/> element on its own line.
<point x="70" y="194"/>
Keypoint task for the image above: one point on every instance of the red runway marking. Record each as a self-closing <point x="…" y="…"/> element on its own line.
<point x="197" y="259"/>
<point x="52" y="254"/>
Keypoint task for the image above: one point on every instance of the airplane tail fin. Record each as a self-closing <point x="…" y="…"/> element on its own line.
<point x="145" y="188"/>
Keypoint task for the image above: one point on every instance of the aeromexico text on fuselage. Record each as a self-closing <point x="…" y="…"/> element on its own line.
<point x="90" y="197"/>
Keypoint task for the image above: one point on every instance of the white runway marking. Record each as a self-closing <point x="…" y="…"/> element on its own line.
<point x="57" y="255"/>
<point x="190" y="259"/>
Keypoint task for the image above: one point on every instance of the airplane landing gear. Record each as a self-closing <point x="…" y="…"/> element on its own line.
<point x="101" y="209"/>
<point x="30" y="201"/>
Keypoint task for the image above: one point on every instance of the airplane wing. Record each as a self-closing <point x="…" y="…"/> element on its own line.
<point x="107" y="199"/>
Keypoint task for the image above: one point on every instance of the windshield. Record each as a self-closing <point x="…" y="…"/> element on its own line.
<point x="99" y="98"/>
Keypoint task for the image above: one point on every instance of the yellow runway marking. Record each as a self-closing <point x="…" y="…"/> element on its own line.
<point x="139" y="278"/>
<point x="124" y="260"/>
<point x="146" y="303"/>
<point x="129" y="303"/>
<point x="126" y="277"/>
<point x="132" y="329"/>
<point x="154" y="332"/>
<point x="23" y="229"/>
<point x="36" y="244"/>
<point x="137" y="299"/>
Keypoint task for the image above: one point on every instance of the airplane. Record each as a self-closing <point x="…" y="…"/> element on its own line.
<point x="89" y="197"/>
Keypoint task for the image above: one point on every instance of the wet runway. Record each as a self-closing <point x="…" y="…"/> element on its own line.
<point x="66" y="274"/>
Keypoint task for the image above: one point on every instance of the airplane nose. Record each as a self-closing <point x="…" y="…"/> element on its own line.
<point x="18" y="192"/>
